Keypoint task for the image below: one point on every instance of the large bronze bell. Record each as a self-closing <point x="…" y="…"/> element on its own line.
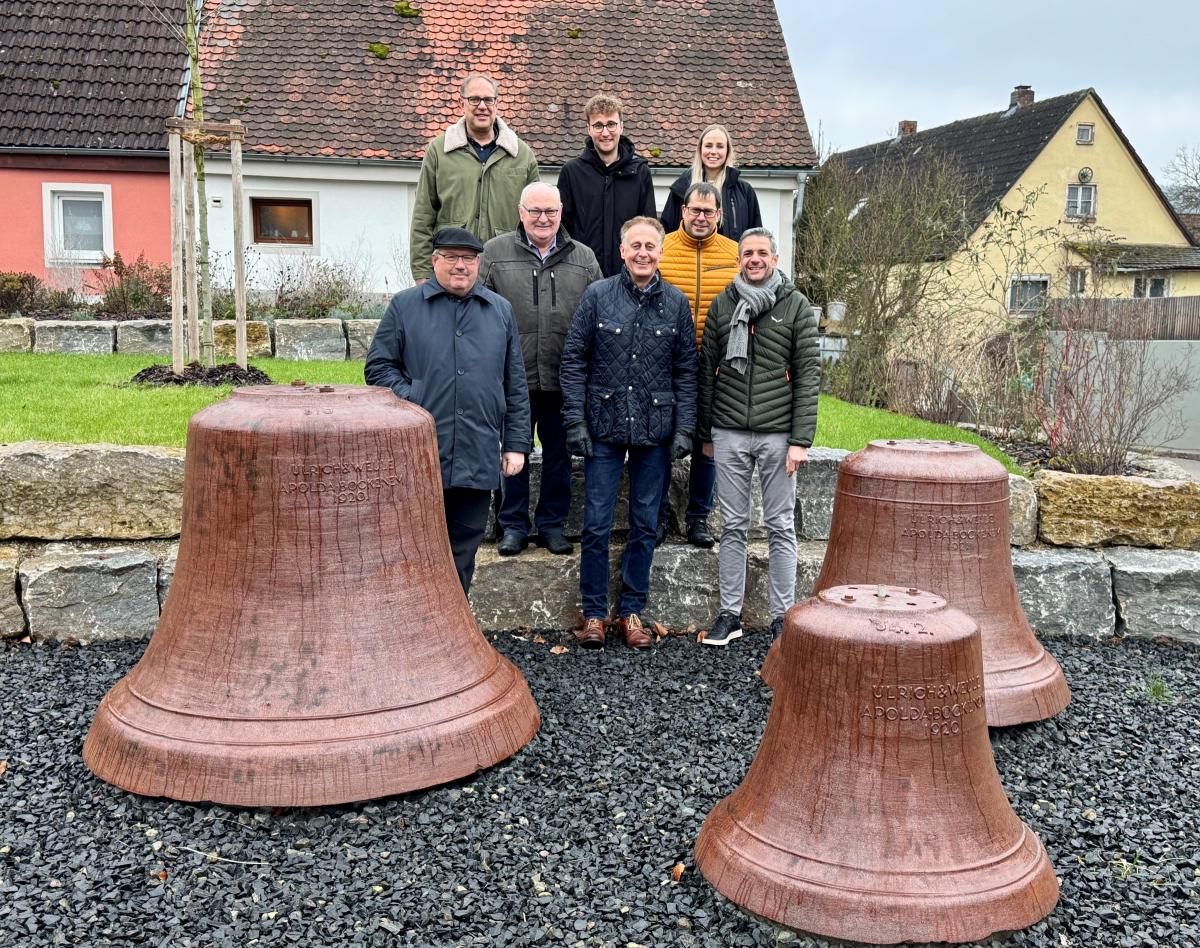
<point x="873" y="810"/>
<point x="934" y="515"/>
<point x="316" y="646"/>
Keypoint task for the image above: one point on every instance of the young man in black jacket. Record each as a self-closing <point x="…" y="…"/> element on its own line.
<point x="605" y="186"/>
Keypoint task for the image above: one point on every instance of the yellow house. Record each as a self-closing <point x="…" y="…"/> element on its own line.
<point x="1092" y="194"/>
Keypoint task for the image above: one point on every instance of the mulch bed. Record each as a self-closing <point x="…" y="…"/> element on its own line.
<point x="1035" y="456"/>
<point x="574" y="839"/>
<point x="228" y="373"/>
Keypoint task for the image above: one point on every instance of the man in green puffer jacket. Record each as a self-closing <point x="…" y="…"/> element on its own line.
<point x="471" y="177"/>
<point x="760" y="374"/>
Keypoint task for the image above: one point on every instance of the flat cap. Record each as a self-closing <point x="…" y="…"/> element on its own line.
<point x="456" y="237"/>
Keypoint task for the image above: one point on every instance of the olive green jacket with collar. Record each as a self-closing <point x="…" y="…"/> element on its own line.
<point x="778" y="393"/>
<point x="456" y="190"/>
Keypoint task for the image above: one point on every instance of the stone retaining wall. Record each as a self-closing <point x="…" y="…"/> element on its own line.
<point x="302" y="339"/>
<point x="120" y="507"/>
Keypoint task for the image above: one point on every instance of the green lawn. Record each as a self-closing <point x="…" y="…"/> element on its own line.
<point x="85" y="399"/>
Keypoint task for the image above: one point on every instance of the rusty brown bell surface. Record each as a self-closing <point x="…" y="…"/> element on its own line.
<point x="316" y="646"/>
<point x="934" y="515"/>
<point x="873" y="810"/>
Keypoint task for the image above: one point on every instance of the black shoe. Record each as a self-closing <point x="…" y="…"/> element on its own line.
<point x="776" y="627"/>
<point x="661" y="535"/>
<point x="699" y="535"/>
<point x="556" y="543"/>
<point x="511" y="543"/>
<point x="727" y="628"/>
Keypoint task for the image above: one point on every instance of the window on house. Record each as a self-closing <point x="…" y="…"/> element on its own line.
<point x="1081" y="200"/>
<point x="1077" y="281"/>
<point x="282" y="220"/>
<point x="1027" y="294"/>
<point x="77" y="223"/>
<point x="1084" y="134"/>
<point x="1149" y="287"/>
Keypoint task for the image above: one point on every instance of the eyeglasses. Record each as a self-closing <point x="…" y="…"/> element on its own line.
<point x="454" y="259"/>
<point x="705" y="212"/>
<point x="605" y="126"/>
<point x="538" y="212"/>
<point x="477" y="100"/>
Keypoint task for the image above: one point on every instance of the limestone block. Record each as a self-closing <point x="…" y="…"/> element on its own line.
<point x="144" y="337"/>
<point x="1157" y="592"/>
<point x="61" y="491"/>
<point x="1085" y="510"/>
<point x="12" y="617"/>
<point x="258" y="339"/>
<point x="536" y="589"/>
<point x="310" y="339"/>
<point x="16" y="335"/>
<point x="1022" y="510"/>
<point x="83" y="337"/>
<point x="166" y="573"/>
<point x="91" y="596"/>
<point x="359" y="333"/>
<point x="1065" y="592"/>
<point x="1163" y="469"/>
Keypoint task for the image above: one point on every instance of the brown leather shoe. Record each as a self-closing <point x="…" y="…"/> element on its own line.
<point x="591" y="635"/>
<point x="635" y="635"/>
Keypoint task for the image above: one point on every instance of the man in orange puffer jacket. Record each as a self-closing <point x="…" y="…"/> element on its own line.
<point x="699" y="261"/>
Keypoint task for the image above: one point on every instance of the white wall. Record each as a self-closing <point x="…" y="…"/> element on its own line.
<point x="361" y="213"/>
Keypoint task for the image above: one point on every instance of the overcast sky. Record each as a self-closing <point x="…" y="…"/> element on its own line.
<point x="862" y="66"/>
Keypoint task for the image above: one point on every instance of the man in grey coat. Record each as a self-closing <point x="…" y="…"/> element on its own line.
<point x="451" y="346"/>
<point x="542" y="272"/>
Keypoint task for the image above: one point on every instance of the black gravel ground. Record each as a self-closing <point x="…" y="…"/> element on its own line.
<point x="573" y="841"/>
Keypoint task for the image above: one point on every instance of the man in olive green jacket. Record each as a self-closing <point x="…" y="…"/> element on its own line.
<point x="471" y="176"/>
<point x="760" y="374"/>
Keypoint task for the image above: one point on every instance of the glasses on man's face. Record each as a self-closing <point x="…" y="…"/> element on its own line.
<point x="539" y="212"/>
<point x="454" y="259"/>
<point x="706" y="212"/>
<point x="605" y="126"/>
<point x="477" y="100"/>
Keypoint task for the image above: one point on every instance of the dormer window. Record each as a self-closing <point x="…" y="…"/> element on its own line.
<point x="1081" y="200"/>
<point x="1085" y="133"/>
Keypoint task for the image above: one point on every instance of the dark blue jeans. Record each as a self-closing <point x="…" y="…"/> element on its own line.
<point x="554" y="499"/>
<point x="601" y="483"/>
<point x="702" y="481"/>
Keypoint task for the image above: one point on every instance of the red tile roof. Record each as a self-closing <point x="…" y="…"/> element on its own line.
<point x="301" y="76"/>
<point x="89" y="75"/>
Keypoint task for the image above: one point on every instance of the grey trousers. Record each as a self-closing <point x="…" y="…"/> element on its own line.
<point x="737" y="454"/>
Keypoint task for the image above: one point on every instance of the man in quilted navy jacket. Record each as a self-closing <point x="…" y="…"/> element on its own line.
<point x="628" y="380"/>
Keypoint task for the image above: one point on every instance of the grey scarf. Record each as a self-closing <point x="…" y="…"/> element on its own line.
<point x="753" y="300"/>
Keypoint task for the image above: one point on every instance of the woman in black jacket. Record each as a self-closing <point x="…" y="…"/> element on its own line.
<point x="714" y="162"/>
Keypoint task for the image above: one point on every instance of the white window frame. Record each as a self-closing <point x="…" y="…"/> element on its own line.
<point x="1043" y="278"/>
<point x="281" y="195"/>
<point x="54" y="246"/>
<point x="1077" y="275"/>
<point x="1148" y="276"/>
<point x="1085" y="133"/>
<point x="1079" y="213"/>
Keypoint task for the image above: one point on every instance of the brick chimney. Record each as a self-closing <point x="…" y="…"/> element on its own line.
<point x="906" y="128"/>
<point x="1022" y="96"/>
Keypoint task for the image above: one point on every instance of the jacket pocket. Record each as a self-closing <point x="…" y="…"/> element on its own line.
<point x="604" y="414"/>
<point x="661" y="421"/>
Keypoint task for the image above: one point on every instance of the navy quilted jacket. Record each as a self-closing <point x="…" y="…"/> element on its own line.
<point x="629" y="362"/>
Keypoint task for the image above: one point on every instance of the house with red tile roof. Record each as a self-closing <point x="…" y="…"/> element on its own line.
<point x="340" y="97"/>
<point x="84" y="91"/>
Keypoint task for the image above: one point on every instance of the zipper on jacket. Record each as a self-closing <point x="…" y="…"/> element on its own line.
<point x="696" y="314"/>
<point x="553" y="291"/>
<point x="535" y="286"/>
<point x="750" y="373"/>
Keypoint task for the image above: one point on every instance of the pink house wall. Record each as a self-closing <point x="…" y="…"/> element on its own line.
<point x="141" y="213"/>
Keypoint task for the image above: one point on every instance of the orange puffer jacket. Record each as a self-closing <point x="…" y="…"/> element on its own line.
<point x="701" y="269"/>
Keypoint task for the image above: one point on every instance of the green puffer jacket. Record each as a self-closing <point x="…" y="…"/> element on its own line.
<point x="455" y="190"/>
<point x="779" y="390"/>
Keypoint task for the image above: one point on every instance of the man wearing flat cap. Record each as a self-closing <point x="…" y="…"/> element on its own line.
<point x="451" y="346"/>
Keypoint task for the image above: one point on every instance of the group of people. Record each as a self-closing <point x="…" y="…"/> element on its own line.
<point x="575" y="313"/>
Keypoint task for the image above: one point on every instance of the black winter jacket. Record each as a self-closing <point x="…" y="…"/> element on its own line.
<point x="739" y="205"/>
<point x="544" y="295"/>
<point x="598" y="198"/>
<point x="629" y="363"/>
<point x="779" y="391"/>
<point x="460" y="360"/>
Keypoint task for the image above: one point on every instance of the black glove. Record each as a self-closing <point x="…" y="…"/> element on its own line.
<point x="681" y="445"/>
<point x="579" y="445"/>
